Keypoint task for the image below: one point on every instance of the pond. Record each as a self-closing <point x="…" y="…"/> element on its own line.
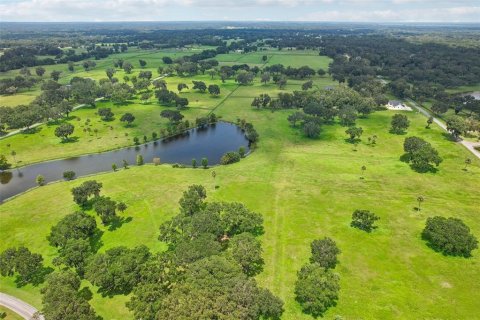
<point x="210" y="142"/>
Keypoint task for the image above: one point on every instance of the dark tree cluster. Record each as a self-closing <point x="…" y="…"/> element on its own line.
<point x="317" y="286"/>
<point x="22" y="262"/>
<point x="207" y="271"/>
<point x="451" y="236"/>
<point x="323" y="106"/>
<point x="400" y="59"/>
<point x="420" y="154"/>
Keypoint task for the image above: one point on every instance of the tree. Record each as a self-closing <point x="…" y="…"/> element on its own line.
<point x="61" y="299"/>
<point x="451" y="236"/>
<point x="316" y="289"/>
<point x="117" y="270"/>
<point x="181" y="86"/>
<point x="69" y="175"/>
<point x="421" y="154"/>
<point x="265" y="77"/>
<point x="230" y="157"/>
<point x="214" y="89"/>
<point x="75" y="254"/>
<point x="456" y="126"/>
<point x="4" y="165"/>
<point x="143" y="63"/>
<point x="204" y="163"/>
<point x="324" y="253"/>
<point x="77" y="225"/>
<point x="364" y="220"/>
<point x="71" y="66"/>
<point x="192" y="199"/>
<point x="106" y="209"/>
<point x="40" y="71"/>
<point x="420" y="200"/>
<point x="321" y="72"/>
<point x="399" y="123"/>
<point x="55" y="75"/>
<point x="173" y="115"/>
<point x="22" y="261"/>
<point x="363" y="168"/>
<point x="121" y="206"/>
<point x="282" y="83"/>
<point x="467" y="162"/>
<point x="114" y="167"/>
<point x="354" y="132"/>
<point x="429" y="122"/>
<point x="121" y="92"/>
<point x="247" y="252"/>
<point x="140" y="160"/>
<point x="199" y="85"/>
<point x="88" y="188"/>
<point x="110" y="73"/>
<point x="194" y="163"/>
<point x="64" y="130"/>
<point x="307" y="85"/>
<point x="245" y="77"/>
<point x="127" y="67"/>
<point x="311" y="129"/>
<point x="40" y="180"/>
<point x="105" y="113"/>
<point x="241" y="151"/>
<point x="439" y="107"/>
<point x="128" y="118"/>
<point x="167" y="60"/>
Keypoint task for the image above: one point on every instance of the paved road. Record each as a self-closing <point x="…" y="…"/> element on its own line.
<point x="18" y="306"/>
<point x="467" y="144"/>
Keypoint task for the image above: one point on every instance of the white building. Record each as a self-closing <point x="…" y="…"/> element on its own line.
<point x="397" y="105"/>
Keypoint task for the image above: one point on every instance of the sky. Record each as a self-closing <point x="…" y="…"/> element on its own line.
<point x="242" y="10"/>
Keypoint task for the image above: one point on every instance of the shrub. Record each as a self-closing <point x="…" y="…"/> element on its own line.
<point x="230" y="157"/>
<point x="69" y="175"/>
<point x="450" y="236"/>
<point x="40" y="180"/>
<point x="364" y="220"/>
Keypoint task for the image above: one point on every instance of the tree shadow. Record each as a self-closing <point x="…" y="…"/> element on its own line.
<point x="96" y="240"/>
<point x="35" y="279"/>
<point x="427" y="168"/>
<point x="352" y="141"/>
<point x="31" y="130"/>
<point x="70" y="140"/>
<point x="399" y="133"/>
<point x="117" y="222"/>
<point x="86" y="293"/>
<point x="449" y="137"/>
<point x="405" y="158"/>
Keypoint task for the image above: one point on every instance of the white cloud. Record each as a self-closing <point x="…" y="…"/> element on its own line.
<point x="310" y="10"/>
<point x="455" y="14"/>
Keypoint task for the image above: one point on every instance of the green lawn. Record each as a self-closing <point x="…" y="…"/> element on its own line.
<point x="305" y="189"/>
<point x="10" y="314"/>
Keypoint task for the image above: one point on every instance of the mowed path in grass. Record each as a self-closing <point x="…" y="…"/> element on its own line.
<point x="305" y="189"/>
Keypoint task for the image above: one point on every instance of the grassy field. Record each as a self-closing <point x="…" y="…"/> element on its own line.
<point x="305" y="189"/>
<point x="10" y="314"/>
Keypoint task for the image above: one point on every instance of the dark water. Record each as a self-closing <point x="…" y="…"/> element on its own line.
<point x="211" y="143"/>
